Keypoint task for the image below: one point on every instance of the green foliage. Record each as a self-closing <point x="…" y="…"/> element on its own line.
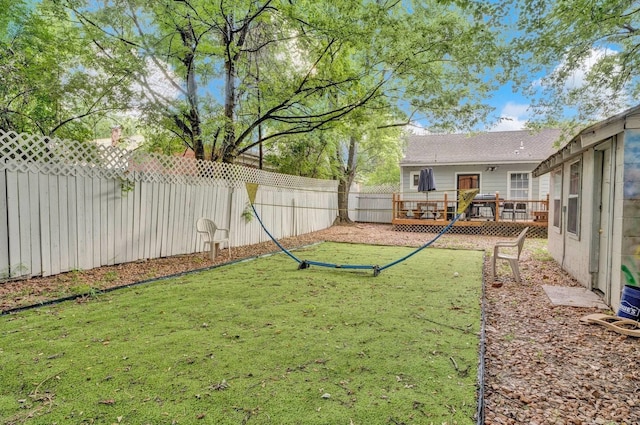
<point x="317" y="83"/>
<point x="258" y="342"/>
<point x="49" y="81"/>
<point x="126" y="185"/>
<point x="380" y="157"/>
<point x="158" y="140"/>
<point x="305" y="155"/>
<point x="387" y="172"/>
<point x="586" y="52"/>
<point x="247" y="213"/>
<point x="226" y="76"/>
<point x="16" y="271"/>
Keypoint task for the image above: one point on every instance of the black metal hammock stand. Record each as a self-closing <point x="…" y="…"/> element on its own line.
<point x="464" y="199"/>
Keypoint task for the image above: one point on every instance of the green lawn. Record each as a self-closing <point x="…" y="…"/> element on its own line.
<point x="258" y="342"/>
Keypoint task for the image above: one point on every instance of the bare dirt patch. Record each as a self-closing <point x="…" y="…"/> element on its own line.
<point x="542" y="365"/>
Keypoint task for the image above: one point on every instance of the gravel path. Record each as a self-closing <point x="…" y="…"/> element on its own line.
<point x="542" y="365"/>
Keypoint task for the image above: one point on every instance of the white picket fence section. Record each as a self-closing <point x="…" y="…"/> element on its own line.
<point x="66" y="205"/>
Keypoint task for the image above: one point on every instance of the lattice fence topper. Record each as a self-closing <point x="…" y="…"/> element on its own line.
<point x="380" y="189"/>
<point x="49" y="155"/>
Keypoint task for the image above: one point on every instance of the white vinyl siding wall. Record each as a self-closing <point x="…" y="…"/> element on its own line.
<point x="490" y="181"/>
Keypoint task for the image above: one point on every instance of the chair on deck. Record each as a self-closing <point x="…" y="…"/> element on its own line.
<point x="510" y="256"/>
<point x="207" y="230"/>
<point x="521" y="209"/>
<point x="507" y="208"/>
<point x="428" y="211"/>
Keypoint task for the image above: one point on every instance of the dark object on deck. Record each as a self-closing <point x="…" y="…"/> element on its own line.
<point x="483" y="200"/>
<point x="426" y="181"/>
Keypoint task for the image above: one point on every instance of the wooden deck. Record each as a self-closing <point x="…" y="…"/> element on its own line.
<point x="488" y="215"/>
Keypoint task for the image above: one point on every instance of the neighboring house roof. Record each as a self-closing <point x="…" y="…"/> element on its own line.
<point x="500" y="147"/>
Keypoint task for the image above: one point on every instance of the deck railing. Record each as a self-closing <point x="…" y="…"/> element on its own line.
<point x="442" y="206"/>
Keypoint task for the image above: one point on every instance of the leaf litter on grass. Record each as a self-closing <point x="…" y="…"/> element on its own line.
<point x="259" y="341"/>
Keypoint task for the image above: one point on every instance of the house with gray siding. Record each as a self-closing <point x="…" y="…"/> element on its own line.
<point x="594" y="208"/>
<point x="493" y="162"/>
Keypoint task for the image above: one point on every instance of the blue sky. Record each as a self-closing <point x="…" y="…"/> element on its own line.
<point x="511" y="110"/>
<point x="511" y="107"/>
<point x="514" y="107"/>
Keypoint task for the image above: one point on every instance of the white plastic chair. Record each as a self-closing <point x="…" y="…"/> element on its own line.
<point x="511" y="257"/>
<point x="207" y="230"/>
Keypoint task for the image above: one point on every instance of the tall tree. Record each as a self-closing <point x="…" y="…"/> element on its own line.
<point x="355" y="140"/>
<point x="347" y="152"/>
<point x="195" y="43"/>
<point x="286" y="69"/>
<point x="586" y="53"/>
<point x="427" y="57"/>
<point x="278" y="62"/>
<point x="48" y="81"/>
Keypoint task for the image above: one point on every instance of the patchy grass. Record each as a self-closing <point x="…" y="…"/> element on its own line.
<point x="539" y="251"/>
<point x="258" y="342"/>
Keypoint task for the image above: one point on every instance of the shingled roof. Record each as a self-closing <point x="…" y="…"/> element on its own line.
<point x="499" y="147"/>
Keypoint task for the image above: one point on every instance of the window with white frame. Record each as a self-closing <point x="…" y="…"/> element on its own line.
<point x="414" y="178"/>
<point x="557" y="198"/>
<point x="519" y="185"/>
<point x="573" y="201"/>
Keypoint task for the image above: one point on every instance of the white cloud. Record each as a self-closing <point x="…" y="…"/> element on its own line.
<point x="161" y="80"/>
<point x="157" y="84"/>
<point x="578" y="77"/>
<point x="583" y="100"/>
<point x="512" y="110"/>
<point x="513" y="116"/>
<point x="417" y="129"/>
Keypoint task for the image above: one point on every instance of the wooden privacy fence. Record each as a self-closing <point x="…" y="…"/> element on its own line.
<point x="372" y="204"/>
<point x="67" y="205"/>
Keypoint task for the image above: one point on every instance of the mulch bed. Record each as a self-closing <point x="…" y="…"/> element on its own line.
<point x="542" y="365"/>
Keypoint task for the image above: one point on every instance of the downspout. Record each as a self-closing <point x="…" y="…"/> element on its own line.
<point x="612" y="210"/>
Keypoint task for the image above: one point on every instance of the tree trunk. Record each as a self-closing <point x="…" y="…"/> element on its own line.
<point x="345" y="180"/>
<point x="343" y="203"/>
<point x="193" y="116"/>
<point x="229" y="135"/>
